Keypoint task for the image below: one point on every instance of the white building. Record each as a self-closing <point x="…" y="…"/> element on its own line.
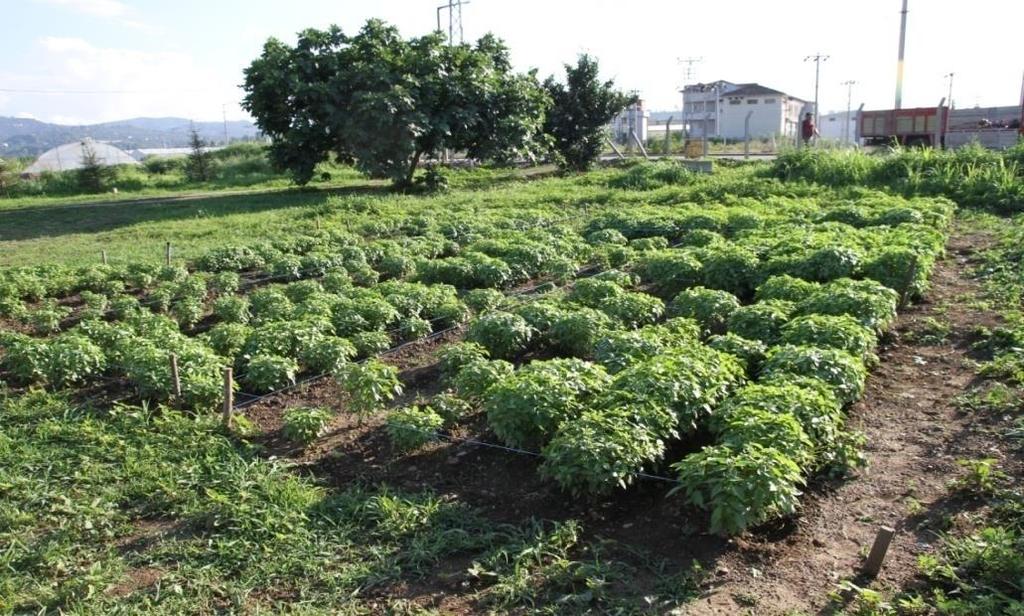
<point x="632" y="119"/>
<point x="831" y="126"/>
<point x="720" y="108"/>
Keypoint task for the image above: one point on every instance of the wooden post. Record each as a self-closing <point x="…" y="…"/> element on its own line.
<point x="175" y="378"/>
<point x="873" y="565"/>
<point x="317" y="223"/>
<point x="103" y="256"/>
<point x="229" y="396"/>
<point x="167" y="253"/>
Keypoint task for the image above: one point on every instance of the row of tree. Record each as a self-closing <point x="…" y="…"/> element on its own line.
<point x="382" y="103"/>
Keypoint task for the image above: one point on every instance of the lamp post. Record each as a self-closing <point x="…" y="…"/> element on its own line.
<point x="949" y="97"/>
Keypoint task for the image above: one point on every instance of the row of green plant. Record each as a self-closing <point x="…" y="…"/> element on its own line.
<point x="972" y="176"/>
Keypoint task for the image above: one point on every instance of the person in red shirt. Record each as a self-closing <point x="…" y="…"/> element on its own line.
<point x="807" y="128"/>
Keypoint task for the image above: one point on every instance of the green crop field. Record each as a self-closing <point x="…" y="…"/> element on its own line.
<point x="528" y="393"/>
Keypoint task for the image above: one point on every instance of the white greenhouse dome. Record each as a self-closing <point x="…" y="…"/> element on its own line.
<point x="71" y="156"/>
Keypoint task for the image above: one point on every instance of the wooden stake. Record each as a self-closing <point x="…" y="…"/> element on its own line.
<point x="229" y="396"/>
<point x="873" y="565"/>
<point x="167" y="253"/>
<point x="103" y="255"/>
<point x="175" y="378"/>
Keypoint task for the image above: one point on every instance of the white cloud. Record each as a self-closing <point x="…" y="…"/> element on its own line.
<point x="75" y="81"/>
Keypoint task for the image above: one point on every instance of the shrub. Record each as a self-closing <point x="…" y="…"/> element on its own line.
<point x="576" y="332"/>
<point x="761" y="321"/>
<point x="369" y="385"/>
<point x="526" y="408"/>
<point x="232" y="309"/>
<point x="843" y="372"/>
<point x="617" y="350"/>
<point x="730" y="268"/>
<point x="304" y="424"/>
<point x="21" y="356"/>
<point x="607" y="236"/>
<point x="450" y="407"/>
<point x="901" y="269"/>
<point x="47" y="318"/>
<point x="709" y="307"/>
<point x="782" y="431"/>
<point x="269" y="372"/>
<point x="634" y="310"/>
<point x="482" y="300"/>
<point x="871" y="303"/>
<point x="225" y="283"/>
<point x="369" y="344"/>
<point x="841" y="332"/>
<point x="413" y="328"/>
<point x="477" y="376"/>
<point x="598" y="452"/>
<point x="593" y="292"/>
<point x="670" y="271"/>
<point x="816" y="408"/>
<point x="687" y="381"/>
<point x="750" y="353"/>
<point x="413" y="426"/>
<point x="453" y="357"/>
<point x="228" y="339"/>
<point x="327" y="354"/>
<point x="742" y="487"/>
<point x="786" y="288"/>
<point x="269" y="304"/>
<point x="71" y="360"/>
<point x="503" y="334"/>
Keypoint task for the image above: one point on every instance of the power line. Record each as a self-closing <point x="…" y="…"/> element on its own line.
<point x="818" y="59"/>
<point x="689" y="72"/>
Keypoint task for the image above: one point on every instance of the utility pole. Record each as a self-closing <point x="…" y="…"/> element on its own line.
<point x="818" y="59"/>
<point x="224" y="114"/>
<point x="949" y="98"/>
<point x="849" y="99"/>
<point x="454" y="8"/>
<point x="899" y="62"/>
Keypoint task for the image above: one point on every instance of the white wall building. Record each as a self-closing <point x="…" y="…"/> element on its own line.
<point x="831" y="126"/>
<point x="632" y="119"/>
<point x="720" y="108"/>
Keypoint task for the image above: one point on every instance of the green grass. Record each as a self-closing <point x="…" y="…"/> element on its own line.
<point x="133" y="510"/>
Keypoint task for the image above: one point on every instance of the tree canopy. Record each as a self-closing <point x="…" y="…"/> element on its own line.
<point x="581" y="108"/>
<point x="382" y="102"/>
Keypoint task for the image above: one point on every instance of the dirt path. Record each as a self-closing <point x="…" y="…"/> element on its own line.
<point x="915" y="435"/>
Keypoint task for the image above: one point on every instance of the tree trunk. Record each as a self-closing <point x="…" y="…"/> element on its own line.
<point x="412" y="167"/>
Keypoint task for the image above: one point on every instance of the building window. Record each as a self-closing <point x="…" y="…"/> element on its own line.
<point x="751" y="101"/>
<point x="769" y="101"/>
<point x="734" y="101"/>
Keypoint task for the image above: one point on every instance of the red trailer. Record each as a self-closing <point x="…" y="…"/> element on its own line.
<point x="920" y="126"/>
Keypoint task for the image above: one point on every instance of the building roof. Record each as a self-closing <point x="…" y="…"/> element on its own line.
<point x="71" y="156"/>
<point x="745" y="89"/>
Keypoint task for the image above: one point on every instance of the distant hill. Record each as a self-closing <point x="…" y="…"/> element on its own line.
<point x="25" y="137"/>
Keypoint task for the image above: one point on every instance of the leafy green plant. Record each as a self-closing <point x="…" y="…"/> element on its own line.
<point x="709" y="307"/>
<point x="576" y="332"/>
<point x="270" y="372"/>
<point x="600" y="451"/>
<point x="370" y="385"/>
<point x="72" y="360"/>
<point x="46" y="319"/>
<point x="750" y="353"/>
<point x="527" y="407"/>
<point x="327" y="354"/>
<point x="231" y="309"/>
<point x="670" y="271"/>
<point x="503" y="334"/>
<point x="841" y="332"/>
<point x="761" y="321"/>
<point x="369" y="344"/>
<point x="453" y="357"/>
<point x="477" y="376"/>
<point x="981" y="476"/>
<point x="843" y="372"/>
<point x="228" y="339"/>
<point x="741" y="488"/>
<point x="782" y="431"/>
<point x="413" y="426"/>
<point x="786" y="288"/>
<point x="21" y="356"/>
<point x="304" y="424"/>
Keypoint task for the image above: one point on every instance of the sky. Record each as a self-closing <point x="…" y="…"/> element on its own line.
<point x="87" y="61"/>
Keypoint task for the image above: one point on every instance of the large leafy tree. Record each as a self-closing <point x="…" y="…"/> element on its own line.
<point x="382" y="102"/>
<point x="581" y="109"/>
